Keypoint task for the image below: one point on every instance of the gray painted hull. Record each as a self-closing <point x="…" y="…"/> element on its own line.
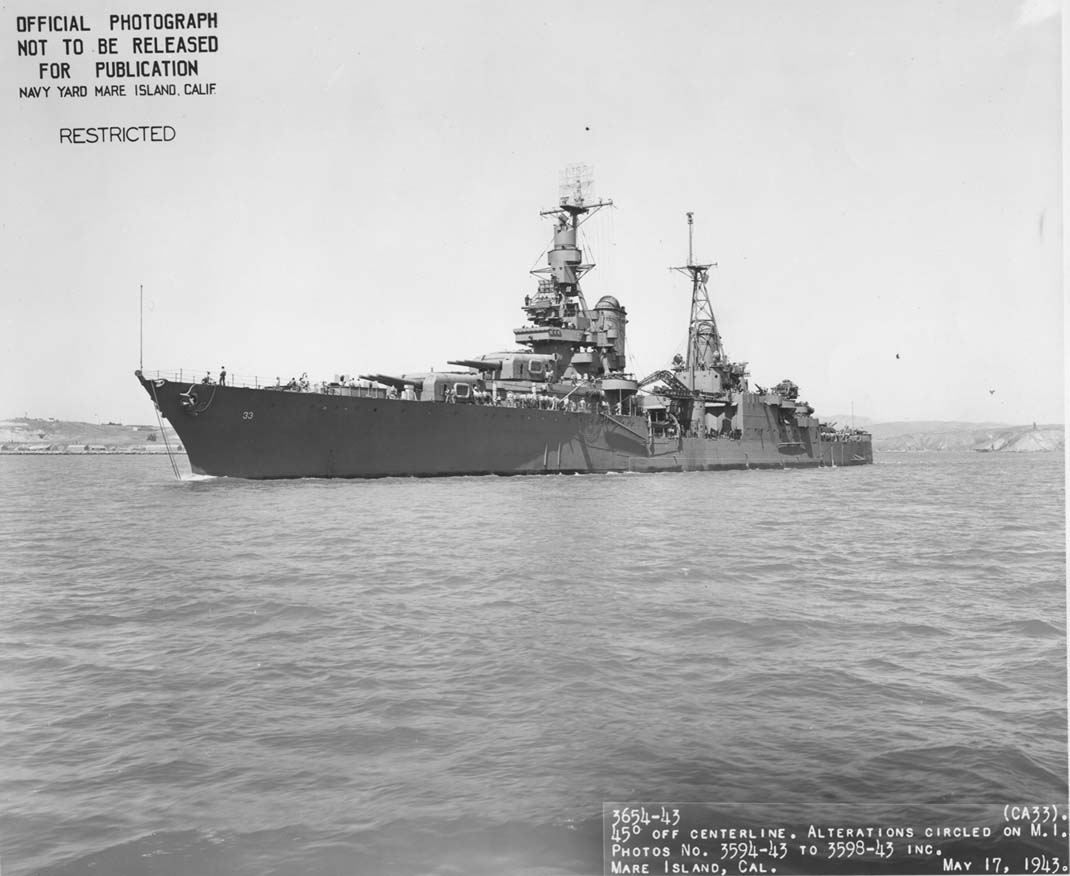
<point x="258" y="433"/>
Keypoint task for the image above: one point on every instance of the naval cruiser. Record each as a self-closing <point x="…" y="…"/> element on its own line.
<point x="560" y="401"/>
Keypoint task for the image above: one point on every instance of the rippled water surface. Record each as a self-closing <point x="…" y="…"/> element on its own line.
<point x="450" y="676"/>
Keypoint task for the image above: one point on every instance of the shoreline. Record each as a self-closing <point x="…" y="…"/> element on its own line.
<point x="107" y="452"/>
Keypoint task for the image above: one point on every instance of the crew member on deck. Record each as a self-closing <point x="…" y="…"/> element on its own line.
<point x="223" y="376"/>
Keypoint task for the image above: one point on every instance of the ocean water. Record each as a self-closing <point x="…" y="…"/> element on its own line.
<point x="450" y="676"/>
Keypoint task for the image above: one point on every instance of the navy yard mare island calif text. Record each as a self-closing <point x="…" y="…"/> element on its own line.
<point x="560" y="401"/>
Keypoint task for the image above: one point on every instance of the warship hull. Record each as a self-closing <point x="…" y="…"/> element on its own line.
<point x="264" y="433"/>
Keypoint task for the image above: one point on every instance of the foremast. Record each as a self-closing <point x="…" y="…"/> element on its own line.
<point x="559" y="300"/>
<point x="586" y="343"/>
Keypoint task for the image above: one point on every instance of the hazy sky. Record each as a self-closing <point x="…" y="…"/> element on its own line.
<point x="879" y="182"/>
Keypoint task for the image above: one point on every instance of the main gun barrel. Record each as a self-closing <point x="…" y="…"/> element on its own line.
<point x="478" y="364"/>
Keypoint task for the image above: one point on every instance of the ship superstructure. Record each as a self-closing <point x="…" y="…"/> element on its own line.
<point x="561" y="402"/>
<point x="566" y="343"/>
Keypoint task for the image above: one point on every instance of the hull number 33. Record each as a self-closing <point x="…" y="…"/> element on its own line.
<point x="246" y="415"/>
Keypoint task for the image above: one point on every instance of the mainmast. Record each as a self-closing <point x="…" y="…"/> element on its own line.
<point x="705" y="354"/>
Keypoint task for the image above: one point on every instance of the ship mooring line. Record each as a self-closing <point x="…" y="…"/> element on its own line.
<point x="166" y="443"/>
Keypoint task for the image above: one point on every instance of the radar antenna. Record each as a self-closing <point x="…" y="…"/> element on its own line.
<point x="575" y="185"/>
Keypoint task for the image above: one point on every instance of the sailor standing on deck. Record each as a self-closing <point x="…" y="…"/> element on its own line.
<point x="223" y="376"/>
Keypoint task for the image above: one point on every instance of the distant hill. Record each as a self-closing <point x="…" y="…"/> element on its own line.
<point x="967" y="436"/>
<point x="898" y="428"/>
<point x="27" y="434"/>
<point x="1026" y="440"/>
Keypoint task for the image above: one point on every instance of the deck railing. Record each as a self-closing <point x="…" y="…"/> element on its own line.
<point x="197" y="375"/>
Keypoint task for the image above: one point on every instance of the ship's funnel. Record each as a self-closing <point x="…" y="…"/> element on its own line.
<point x="610" y="320"/>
